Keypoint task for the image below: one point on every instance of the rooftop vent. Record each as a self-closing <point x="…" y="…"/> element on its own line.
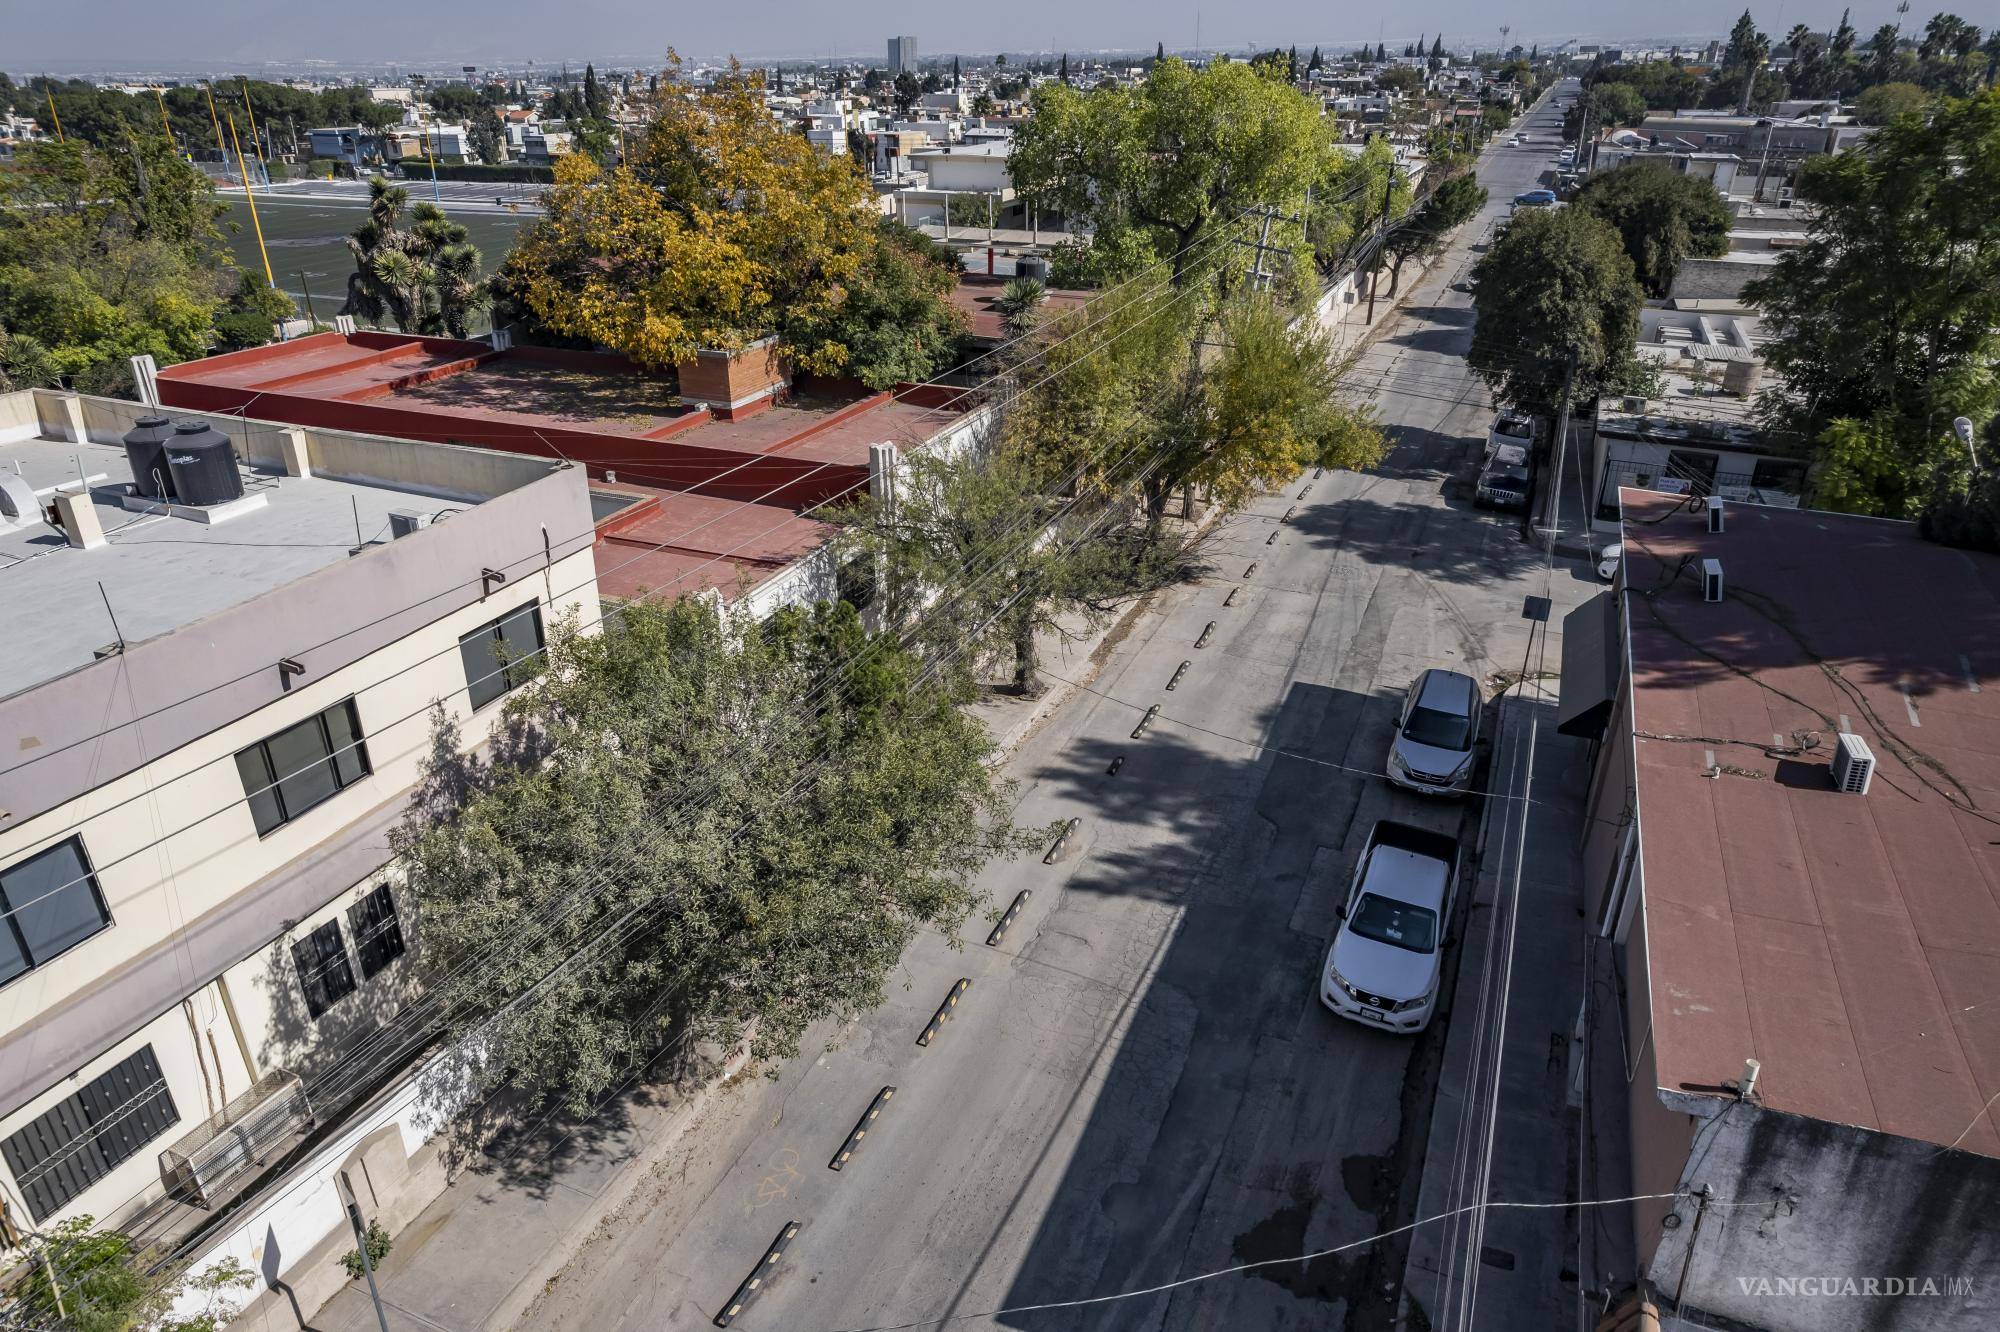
<point x="402" y="522"/>
<point x="1711" y="580"/>
<point x="1853" y="764"/>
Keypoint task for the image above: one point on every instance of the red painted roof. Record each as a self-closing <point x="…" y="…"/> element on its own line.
<point x="1850" y="943"/>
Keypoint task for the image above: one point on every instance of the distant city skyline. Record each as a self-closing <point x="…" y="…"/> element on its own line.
<point x="236" y="34"/>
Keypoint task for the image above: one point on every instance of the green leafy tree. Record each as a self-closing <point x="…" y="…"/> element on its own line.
<point x="782" y="809"/>
<point x="489" y="136"/>
<point x="984" y="105"/>
<point x="1745" y="58"/>
<point x="1180" y="156"/>
<point x="110" y="1284"/>
<point x="1663" y="215"/>
<point x="105" y="255"/>
<point x="425" y="276"/>
<point x="1555" y="289"/>
<point x="1402" y="79"/>
<point x="1426" y="231"/>
<point x="895" y="318"/>
<point x="907" y="89"/>
<point x="1885" y="101"/>
<point x="1013" y="559"/>
<point x="1883" y="324"/>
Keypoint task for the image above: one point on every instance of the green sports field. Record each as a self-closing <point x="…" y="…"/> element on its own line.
<point x="305" y="238"/>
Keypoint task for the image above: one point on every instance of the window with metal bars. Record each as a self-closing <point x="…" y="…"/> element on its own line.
<point x="378" y="933"/>
<point x="84" y="1137"/>
<point x="303" y="765"/>
<point x="324" y="972"/>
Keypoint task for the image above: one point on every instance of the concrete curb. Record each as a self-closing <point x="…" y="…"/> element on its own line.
<point x="521" y="1299"/>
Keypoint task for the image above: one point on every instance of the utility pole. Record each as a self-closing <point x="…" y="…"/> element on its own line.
<point x="1260" y="278"/>
<point x="1554" y="514"/>
<point x="305" y="286"/>
<point x="1382" y="231"/>
<point x="361" y="1242"/>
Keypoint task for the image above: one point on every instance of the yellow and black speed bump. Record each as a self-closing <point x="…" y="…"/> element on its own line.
<point x="758" y="1279"/>
<point x="1059" y="849"/>
<point x="853" y="1143"/>
<point x="1007" y="921"/>
<point x="945" y="1010"/>
<point x="1288" y="514"/>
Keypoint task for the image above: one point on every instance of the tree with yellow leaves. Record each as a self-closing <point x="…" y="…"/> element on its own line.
<point x="720" y="228"/>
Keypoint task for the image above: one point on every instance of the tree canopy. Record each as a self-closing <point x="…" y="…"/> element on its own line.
<point x="782" y="809"/>
<point x="1183" y="153"/>
<point x="106" y="255"/>
<point x="1556" y="283"/>
<point x="1664" y="216"/>
<point x="720" y="229"/>
<point x="1882" y="324"/>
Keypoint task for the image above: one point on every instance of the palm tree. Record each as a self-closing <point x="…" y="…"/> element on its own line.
<point x="425" y="277"/>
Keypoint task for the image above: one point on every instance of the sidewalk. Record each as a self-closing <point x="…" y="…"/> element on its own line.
<point x="1526" y="1264"/>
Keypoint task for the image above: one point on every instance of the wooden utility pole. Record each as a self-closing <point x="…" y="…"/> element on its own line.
<point x="1382" y="230"/>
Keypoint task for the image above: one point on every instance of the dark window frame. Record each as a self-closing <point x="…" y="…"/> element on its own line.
<point x="377" y="924"/>
<point x="12" y="920"/>
<point x="58" y="1155"/>
<point x="264" y="787"/>
<point x="322" y="969"/>
<point x="508" y="675"/>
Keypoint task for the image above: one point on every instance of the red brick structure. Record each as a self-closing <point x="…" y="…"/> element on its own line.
<point x="734" y="383"/>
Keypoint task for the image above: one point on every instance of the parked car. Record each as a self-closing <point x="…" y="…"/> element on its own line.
<point x="1383" y="965"/>
<point x="1502" y="485"/>
<point x="1535" y="198"/>
<point x="1515" y="428"/>
<point x="1437" y="734"/>
<point x="1609" y="559"/>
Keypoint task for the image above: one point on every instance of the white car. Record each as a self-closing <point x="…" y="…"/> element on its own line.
<point x="1437" y="734"/>
<point x="1510" y="429"/>
<point x="1383" y="965"/>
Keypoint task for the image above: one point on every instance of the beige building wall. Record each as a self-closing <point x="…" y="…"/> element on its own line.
<point x="175" y="841"/>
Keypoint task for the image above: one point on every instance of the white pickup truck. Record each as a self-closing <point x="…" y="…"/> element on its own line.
<point x="1383" y="966"/>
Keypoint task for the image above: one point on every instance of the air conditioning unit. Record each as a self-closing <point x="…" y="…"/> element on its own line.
<point x="402" y="522"/>
<point x="1711" y="580"/>
<point x="233" y="1145"/>
<point x="1715" y="515"/>
<point x="1853" y="764"/>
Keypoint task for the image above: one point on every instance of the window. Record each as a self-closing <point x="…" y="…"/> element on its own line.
<point x="378" y="933"/>
<point x="82" y="1139"/>
<point x="323" y="971"/>
<point x="52" y="905"/>
<point x="303" y="765"/>
<point x="502" y="654"/>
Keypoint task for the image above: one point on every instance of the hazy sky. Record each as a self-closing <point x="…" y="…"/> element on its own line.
<point x="158" y="33"/>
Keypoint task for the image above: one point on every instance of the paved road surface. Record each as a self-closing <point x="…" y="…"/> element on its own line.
<point x="1141" y="1083"/>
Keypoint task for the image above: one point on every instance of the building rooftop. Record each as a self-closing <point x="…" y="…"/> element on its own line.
<point x="1851" y="943"/>
<point x="689" y="466"/>
<point x="158" y="572"/>
<point x="1710" y="377"/>
<point x="977" y="295"/>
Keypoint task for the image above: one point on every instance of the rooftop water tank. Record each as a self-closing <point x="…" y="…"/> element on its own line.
<point x="202" y="462"/>
<point x="146" y="452"/>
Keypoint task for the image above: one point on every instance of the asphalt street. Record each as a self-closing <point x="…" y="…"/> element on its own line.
<point x="1140" y="1084"/>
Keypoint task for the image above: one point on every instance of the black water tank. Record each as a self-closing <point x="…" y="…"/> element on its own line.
<point x="203" y="464"/>
<point x="146" y="451"/>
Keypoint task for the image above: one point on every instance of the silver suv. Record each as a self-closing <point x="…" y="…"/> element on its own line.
<point x="1437" y="735"/>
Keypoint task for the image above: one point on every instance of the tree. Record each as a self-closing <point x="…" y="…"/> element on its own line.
<point x="1663" y="215"/>
<point x="1425" y="232"/>
<point x="1316" y="63"/>
<point x="1437" y="47"/>
<point x="723" y="228"/>
<point x="1183" y="154"/>
<point x="1063" y="72"/>
<point x="108" y="1285"/>
<point x="783" y="807"/>
<point x="969" y="523"/>
<point x="1159" y="52"/>
<point x="1556" y="285"/>
<point x="954" y="74"/>
<point x="1883" y="55"/>
<point x="1402" y="79"/>
<point x="426" y="276"/>
<point x="1885" y="101"/>
<point x="1381" y="53"/>
<point x="1748" y="50"/>
<point x="896" y="319"/>
<point x="1882" y="325"/>
<point x="489" y="136"/>
<point x="1020" y="305"/>
<point x="984" y="105"/>
<point x="105" y="255"/>
<point x="907" y="89"/>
